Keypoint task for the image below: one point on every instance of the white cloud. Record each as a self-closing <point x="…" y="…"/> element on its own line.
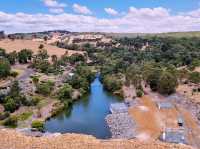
<point x="56" y="10"/>
<point x="111" y="11"/>
<point x="81" y="9"/>
<point x="143" y="20"/>
<point x="54" y="6"/>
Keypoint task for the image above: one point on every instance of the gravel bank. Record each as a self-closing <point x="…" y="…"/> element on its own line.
<point x="121" y="125"/>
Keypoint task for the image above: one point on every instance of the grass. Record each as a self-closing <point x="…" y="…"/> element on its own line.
<point x="170" y="34"/>
<point x="24" y="116"/>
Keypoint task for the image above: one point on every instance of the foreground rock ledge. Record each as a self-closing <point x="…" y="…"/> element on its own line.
<point x="10" y="139"/>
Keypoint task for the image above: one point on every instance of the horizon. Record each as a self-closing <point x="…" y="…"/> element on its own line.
<point x="139" y="16"/>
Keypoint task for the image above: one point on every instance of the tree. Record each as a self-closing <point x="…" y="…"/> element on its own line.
<point x="41" y="46"/>
<point x="167" y="83"/>
<point x="54" y="59"/>
<point x="65" y="92"/>
<point x="42" y="54"/>
<point x="10" y="104"/>
<point x="12" y="57"/>
<point x="4" y="67"/>
<point x="24" y="56"/>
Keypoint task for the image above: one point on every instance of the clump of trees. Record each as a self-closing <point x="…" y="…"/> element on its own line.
<point x="14" y="99"/>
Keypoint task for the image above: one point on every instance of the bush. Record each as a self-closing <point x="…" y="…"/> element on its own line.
<point x="11" y="121"/>
<point x="4" y="115"/>
<point x="14" y="74"/>
<point x="24" y="55"/>
<point x="10" y="104"/>
<point x="194" y="77"/>
<point x="24" y="116"/>
<point x="38" y="125"/>
<point x="45" y="88"/>
<point x="139" y="93"/>
<point x="4" y="68"/>
<point x="65" y="92"/>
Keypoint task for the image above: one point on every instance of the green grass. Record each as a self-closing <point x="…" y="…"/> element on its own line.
<point x="24" y="116"/>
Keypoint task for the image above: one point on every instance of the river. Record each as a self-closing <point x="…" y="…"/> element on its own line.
<point x="86" y="116"/>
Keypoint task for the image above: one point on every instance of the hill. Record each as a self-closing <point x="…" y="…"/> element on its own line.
<point x="17" y="45"/>
<point x="170" y="34"/>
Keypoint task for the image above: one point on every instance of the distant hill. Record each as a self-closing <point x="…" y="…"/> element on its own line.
<point x="170" y="34"/>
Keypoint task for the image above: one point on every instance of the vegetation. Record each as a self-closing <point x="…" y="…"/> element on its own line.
<point x="24" y="56"/>
<point x="38" y="125"/>
<point x="11" y="121"/>
<point x="4" y="68"/>
<point x="44" y="88"/>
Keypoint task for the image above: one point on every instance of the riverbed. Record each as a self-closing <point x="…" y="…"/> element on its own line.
<point x="86" y="116"/>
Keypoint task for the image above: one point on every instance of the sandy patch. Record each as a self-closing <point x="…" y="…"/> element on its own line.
<point x="143" y="108"/>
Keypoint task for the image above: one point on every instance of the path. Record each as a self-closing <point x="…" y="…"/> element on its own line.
<point x="148" y="119"/>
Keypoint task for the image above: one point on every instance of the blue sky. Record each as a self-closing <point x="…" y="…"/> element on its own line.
<point x="100" y="15"/>
<point x="97" y="6"/>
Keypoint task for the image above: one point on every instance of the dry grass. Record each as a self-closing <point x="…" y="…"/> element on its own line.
<point x="10" y="139"/>
<point x="18" y="45"/>
<point x="186" y="90"/>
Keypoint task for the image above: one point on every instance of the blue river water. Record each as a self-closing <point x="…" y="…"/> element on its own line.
<point x="86" y="116"/>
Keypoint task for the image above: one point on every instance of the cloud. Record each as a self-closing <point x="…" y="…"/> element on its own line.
<point x="111" y="11"/>
<point x="54" y="6"/>
<point x="143" y="20"/>
<point x="81" y="9"/>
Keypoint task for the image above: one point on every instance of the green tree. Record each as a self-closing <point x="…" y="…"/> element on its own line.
<point x="167" y="83"/>
<point x="12" y="57"/>
<point x="65" y="92"/>
<point x="4" y="68"/>
<point x="10" y="104"/>
<point x="24" y="56"/>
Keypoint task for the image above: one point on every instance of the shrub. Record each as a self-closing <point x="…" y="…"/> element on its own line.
<point x="10" y="105"/>
<point x="24" y="116"/>
<point x="4" y="115"/>
<point x="194" y="77"/>
<point x="139" y="93"/>
<point x="11" y="121"/>
<point x="65" y="92"/>
<point x="4" y="68"/>
<point x="38" y="125"/>
<point x="45" y="88"/>
<point x="14" y="74"/>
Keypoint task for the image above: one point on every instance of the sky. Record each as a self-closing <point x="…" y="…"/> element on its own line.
<point x="133" y="16"/>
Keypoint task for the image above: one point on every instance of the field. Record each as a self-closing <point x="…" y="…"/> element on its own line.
<point x="18" y="45"/>
<point x="171" y="34"/>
